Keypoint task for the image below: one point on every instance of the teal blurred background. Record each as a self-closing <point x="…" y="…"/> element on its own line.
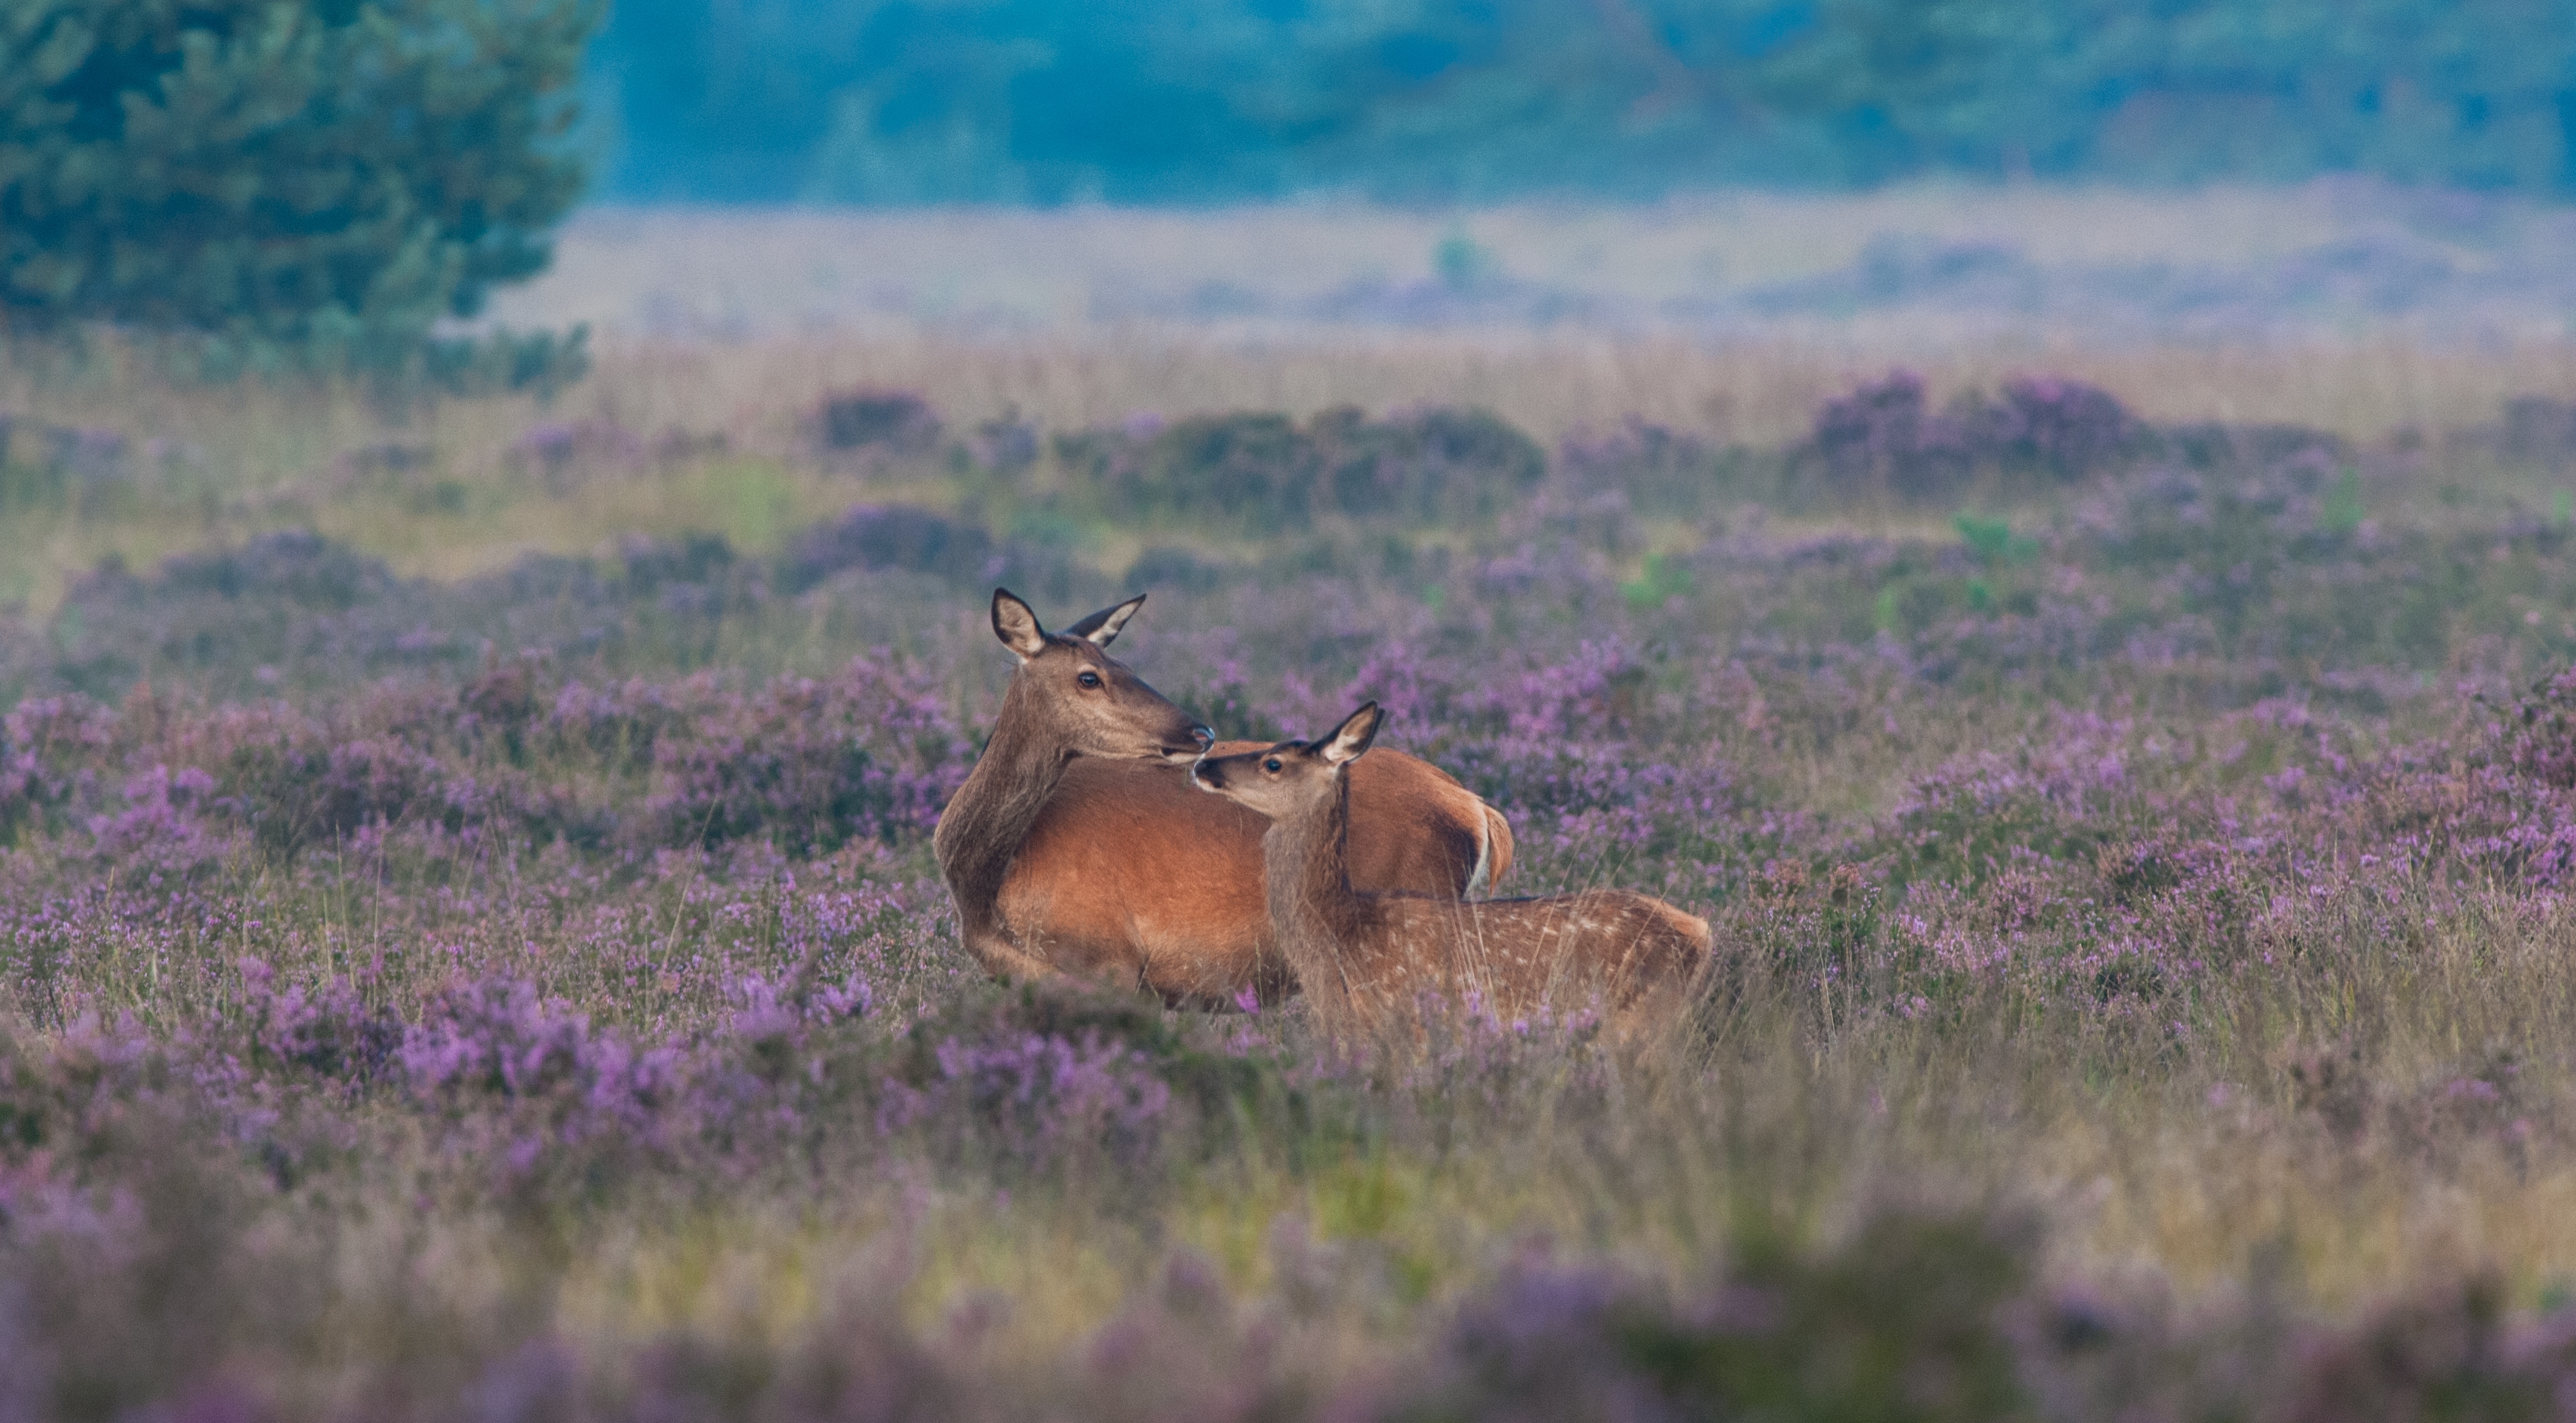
<point x="1445" y="101"/>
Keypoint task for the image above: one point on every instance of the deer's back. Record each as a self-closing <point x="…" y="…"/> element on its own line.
<point x="1132" y="873"/>
<point x="1632" y="954"/>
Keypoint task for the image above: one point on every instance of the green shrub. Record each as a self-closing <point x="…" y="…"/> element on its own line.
<point x="317" y="183"/>
<point x="1260" y="473"/>
<point x="1256" y="470"/>
<point x="1434" y="465"/>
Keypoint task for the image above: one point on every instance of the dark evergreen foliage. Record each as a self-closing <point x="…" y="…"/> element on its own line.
<point x="321" y="180"/>
<point x="906" y="101"/>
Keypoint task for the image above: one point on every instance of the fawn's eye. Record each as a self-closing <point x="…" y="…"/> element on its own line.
<point x="1271" y="765"/>
<point x="1089" y="679"/>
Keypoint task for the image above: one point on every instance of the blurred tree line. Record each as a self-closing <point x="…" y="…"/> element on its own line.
<point x="313" y="183"/>
<point x="904" y="101"/>
<point x="324" y="182"/>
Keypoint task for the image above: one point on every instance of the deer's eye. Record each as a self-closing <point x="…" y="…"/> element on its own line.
<point x="1271" y="765"/>
<point x="1089" y="679"/>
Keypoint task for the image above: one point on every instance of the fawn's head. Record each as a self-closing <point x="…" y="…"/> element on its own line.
<point x="1084" y="699"/>
<point x="1293" y="775"/>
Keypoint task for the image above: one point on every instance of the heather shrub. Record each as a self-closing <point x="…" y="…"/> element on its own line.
<point x="46" y="467"/>
<point x="1253" y="472"/>
<point x="891" y="536"/>
<point x="1259" y="474"/>
<point x="2267" y="557"/>
<point x="1546" y="1341"/>
<point x="52" y="749"/>
<point x="617" y="723"/>
<point x="2214" y="445"/>
<point x="167" y="831"/>
<point x="1164" y="566"/>
<point x="2447" y="812"/>
<point x="2448" y="1352"/>
<point x="261" y="604"/>
<point x="1905" y="1320"/>
<point x="1553" y="744"/>
<point x="2538" y="429"/>
<point x="1432" y="465"/>
<point x="1659" y="468"/>
<point x="664" y="567"/>
<point x="2539" y="732"/>
<point x="895" y="421"/>
<point x="1555" y="748"/>
<point x="854" y="1359"/>
<point x="1910" y="1319"/>
<point x="295" y="781"/>
<point x="327" y="1030"/>
<point x="289" y="611"/>
<point x="502" y="706"/>
<point x="145" y="1286"/>
<point x="1820" y="932"/>
<point x="2060" y="800"/>
<point x="530" y="1087"/>
<point x="1883" y="437"/>
<point x="2062" y="428"/>
<point x="563" y="453"/>
<point x="1029" y="1103"/>
<point x="898" y="538"/>
<point x="808" y="764"/>
<point x="515" y="752"/>
<point x="1005" y="444"/>
<point x="278" y="600"/>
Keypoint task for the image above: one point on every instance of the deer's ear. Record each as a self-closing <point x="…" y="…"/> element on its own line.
<point x="1102" y="627"/>
<point x="1353" y="736"/>
<point x="1017" y="626"/>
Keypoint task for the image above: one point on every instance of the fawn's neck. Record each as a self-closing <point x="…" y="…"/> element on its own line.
<point x="990" y="815"/>
<point x="1313" y="910"/>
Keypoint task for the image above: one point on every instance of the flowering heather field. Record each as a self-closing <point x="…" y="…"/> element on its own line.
<point x="2140" y="854"/>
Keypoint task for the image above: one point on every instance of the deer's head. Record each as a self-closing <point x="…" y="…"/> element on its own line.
<point x="1293" y="775"/>
<point x="1082" y="698"/>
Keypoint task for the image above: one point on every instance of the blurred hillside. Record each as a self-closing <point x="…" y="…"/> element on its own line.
<point x="1911" y="268"/>
<point x="900" y="102"/>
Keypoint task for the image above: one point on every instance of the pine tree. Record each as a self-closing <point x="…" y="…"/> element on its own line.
<point x="325" y="179"/>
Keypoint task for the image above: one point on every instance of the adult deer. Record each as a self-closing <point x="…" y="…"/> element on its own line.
<point x="1077" y="846"/>
<point x="1365" y="958"/>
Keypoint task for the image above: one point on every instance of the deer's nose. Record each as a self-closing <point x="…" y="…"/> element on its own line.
<point x="1204" y="737"/>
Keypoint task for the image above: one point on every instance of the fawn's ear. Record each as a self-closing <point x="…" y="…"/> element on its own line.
<point x="1353" y="736"/>
<point x="1016" y="625"/>
<point x="1102" y="627"/>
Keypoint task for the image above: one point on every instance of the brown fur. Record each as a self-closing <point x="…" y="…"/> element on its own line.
<point x="1076" y="845"/>
<point x="1634" y="957"/>
<point x="1367" y="960"/>
<point x="1129" y="873"/>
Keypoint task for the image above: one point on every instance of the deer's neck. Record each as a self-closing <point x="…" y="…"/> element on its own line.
<point x="991" y="814"/>
<point x="1313" y="910"/>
